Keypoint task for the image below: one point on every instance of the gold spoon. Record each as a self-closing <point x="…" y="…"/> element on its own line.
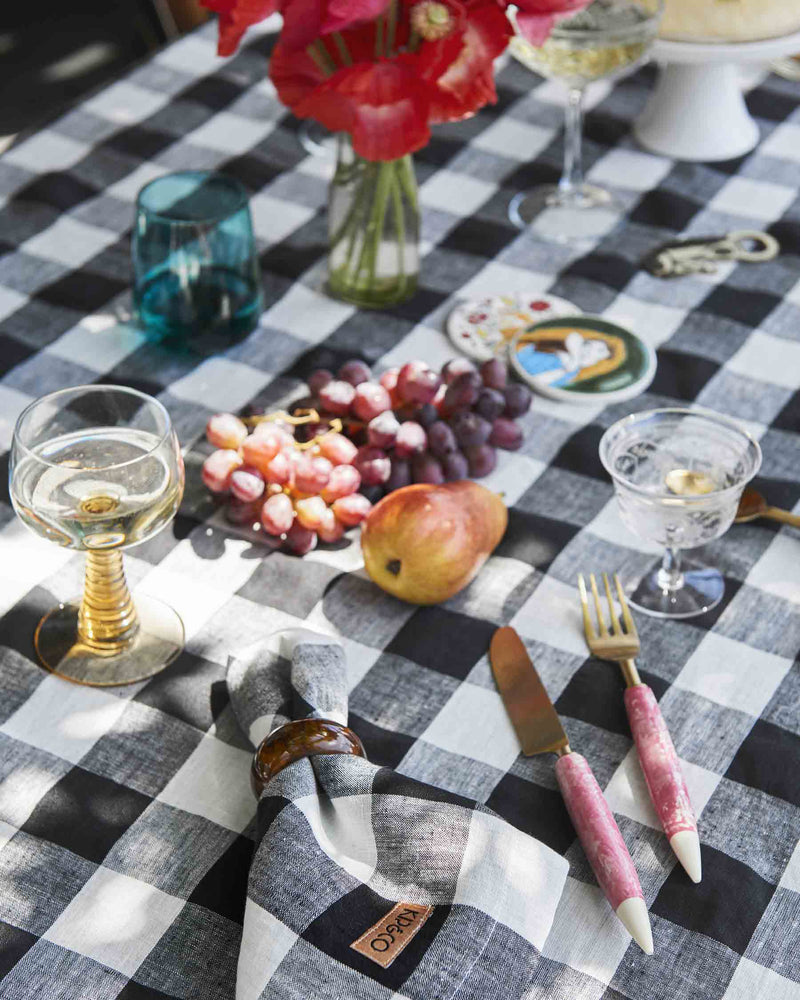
<point x="686" y="483"/>
<point x="753" y="505"/>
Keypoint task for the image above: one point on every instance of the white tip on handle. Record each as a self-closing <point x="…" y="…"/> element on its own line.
<point x="686" y="845"/>
<point x="633" y="914"/>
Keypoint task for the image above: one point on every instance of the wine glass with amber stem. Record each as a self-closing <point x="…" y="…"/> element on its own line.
<point x="98" y="468"/>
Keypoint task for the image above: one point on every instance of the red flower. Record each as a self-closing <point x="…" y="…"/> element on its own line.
<point x="535" y="18"/>
<point x="236" y="16"/>
<point x="467" y="83"/>
<point x="383" y="105"/>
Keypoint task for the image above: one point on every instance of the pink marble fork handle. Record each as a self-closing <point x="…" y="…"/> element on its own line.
<point x="663" y="776"/>
<point x="604" y="846"/>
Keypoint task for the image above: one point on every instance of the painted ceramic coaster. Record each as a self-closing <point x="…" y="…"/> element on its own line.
<point x="482" y="329"/>
<point x="583" y="359"/>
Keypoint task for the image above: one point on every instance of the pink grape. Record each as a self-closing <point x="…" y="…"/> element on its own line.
<point x="456" y="367"/>
<point x="336" y="397"/>
<point x="337" y="449"/>
<point x="400" y="475"/>
<point x="217" y="469"/>
<point x="242" y="513"/>
<point x="277" y="514"/>
<point x="518" y="400"/>
<point x="494" y="374"/>
<point x="279" y="470"/>
<point x="506" y="434"/>
<point x="441" y="439"/>
<point x="463" y="391"/>
<point x="482" y="459"/>
<point x="470" y="429"/>
<point x="370" y="400"/>
<point x="352" y="510"/>
<point x="355" y="372"/>
<point x="247" y="484"/>
<point x="311" y="473"/>
<point x="300" y="540"/>
<point x="224" y="430"/>
<point x="310" y="512"/>
<point x="411" y="439"/>
<point x="382" y="430"/>
<point x="426" y="469"/>
<point x="417" y="383"/>
<point x="373" y="464"/>
<point x="438" y="399"/>
<point x="330" y="529"/>
<point x="258" y="450"/>
<point x="345" y="479"/>
<point x="491" y="403"/>
<point x="318" y="379"/>
<point x="273" y="428"/>
<point x="389" y="379"/>
<point x="455" y="466"/>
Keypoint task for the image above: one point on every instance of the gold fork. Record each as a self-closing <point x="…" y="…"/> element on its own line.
<point x="660" y="764"/>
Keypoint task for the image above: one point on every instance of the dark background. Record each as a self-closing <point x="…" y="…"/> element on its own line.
<point x="53" y="52"/>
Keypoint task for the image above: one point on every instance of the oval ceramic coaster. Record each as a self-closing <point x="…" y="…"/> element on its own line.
<point x="482" y="329"/>
<point x="583" y="359"/>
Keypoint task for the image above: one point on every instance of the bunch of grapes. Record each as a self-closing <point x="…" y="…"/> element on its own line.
<point x="415" y="425"/>
<point x="298" y="495"/>
<point x="358" y="440"/>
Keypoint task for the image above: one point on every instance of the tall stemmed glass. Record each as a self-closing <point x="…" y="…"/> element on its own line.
<point x="678" y="476"/>
<point x="603" y="41"/>
<point x="98" y="468"/>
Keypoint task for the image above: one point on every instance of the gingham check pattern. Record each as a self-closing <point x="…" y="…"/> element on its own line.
<point x="126" y="816"/>
<point x="366" y="837"/>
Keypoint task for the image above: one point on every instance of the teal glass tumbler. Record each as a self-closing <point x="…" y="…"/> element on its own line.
<point x="196" y="275"/>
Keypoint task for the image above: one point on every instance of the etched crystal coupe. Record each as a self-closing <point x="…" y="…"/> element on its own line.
<point x="678" y="476"/>
<point x="98" y="468"/>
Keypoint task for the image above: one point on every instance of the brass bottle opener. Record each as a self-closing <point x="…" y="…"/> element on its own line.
<point x="682" y="257"/>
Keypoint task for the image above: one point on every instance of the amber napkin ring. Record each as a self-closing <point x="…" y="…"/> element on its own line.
<point x="295" y="740"/>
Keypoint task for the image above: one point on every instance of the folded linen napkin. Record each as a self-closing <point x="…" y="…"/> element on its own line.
<point x="367" y="884"/>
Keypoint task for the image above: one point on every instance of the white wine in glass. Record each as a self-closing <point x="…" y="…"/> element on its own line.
<point x="98" y="468"/>
<point x="605" y="40"/>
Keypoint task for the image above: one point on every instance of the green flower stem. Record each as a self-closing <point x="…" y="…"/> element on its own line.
<point x="391" y="27"/>
<point x="400" y="224"/>
<point x="378" y="217"/>
<point x="344" y="52"/>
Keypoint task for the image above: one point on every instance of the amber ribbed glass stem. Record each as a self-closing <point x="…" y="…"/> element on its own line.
<point x="107" y="617"/>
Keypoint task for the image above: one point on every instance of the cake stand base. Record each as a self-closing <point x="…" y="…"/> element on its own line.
<point x="697" y="110"/>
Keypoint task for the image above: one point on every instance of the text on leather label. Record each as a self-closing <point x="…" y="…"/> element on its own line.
<point x="384" y="941"/>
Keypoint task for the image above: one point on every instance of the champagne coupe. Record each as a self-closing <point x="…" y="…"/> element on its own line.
<point x="99" y="468"/>
<point x="678" y="476"/>
<point x="603" y="41"/>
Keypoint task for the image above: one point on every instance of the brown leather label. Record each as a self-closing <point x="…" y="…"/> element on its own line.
<point x="384" y="941"/>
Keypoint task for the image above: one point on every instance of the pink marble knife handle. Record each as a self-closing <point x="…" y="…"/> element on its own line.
<point x="597" y="829"/>
<point x="663" y="776"/>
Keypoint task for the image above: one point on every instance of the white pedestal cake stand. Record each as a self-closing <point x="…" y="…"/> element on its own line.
<point x="697" y="111"/>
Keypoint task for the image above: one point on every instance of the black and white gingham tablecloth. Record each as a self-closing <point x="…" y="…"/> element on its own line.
<point x="126" y="816"/>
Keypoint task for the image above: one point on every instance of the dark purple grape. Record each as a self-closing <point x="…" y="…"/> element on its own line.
<point x="494" y="374"/>
<point x="355" y="372"/>
<point x="306" y="403"/>
<point x="491" y="403"/>
<point x="463" y="391"/>
<point x="506" y="434"/>
<point x="372" y="493"/>
<point x="441" y="439"/>
<point x="318" y="380"/>
<point x="456" y="367"/>
<point x="400" y="475"/>
<point x="382" y="430"/>
<point x="470" y="429"/>
<point x="482" y="459"/>
<point x="427" y="415"/>
<point x="455" y="466"/>
<point x="426" y="469"/>
<point x="518" y="400"/>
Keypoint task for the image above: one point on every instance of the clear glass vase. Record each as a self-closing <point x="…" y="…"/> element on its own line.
<point x="373" y="229"/>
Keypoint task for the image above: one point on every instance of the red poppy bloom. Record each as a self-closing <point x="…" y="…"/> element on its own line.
<point x="535" y="18"/>
<point x="236" y="16"/>
<point x="468" y="82"/>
